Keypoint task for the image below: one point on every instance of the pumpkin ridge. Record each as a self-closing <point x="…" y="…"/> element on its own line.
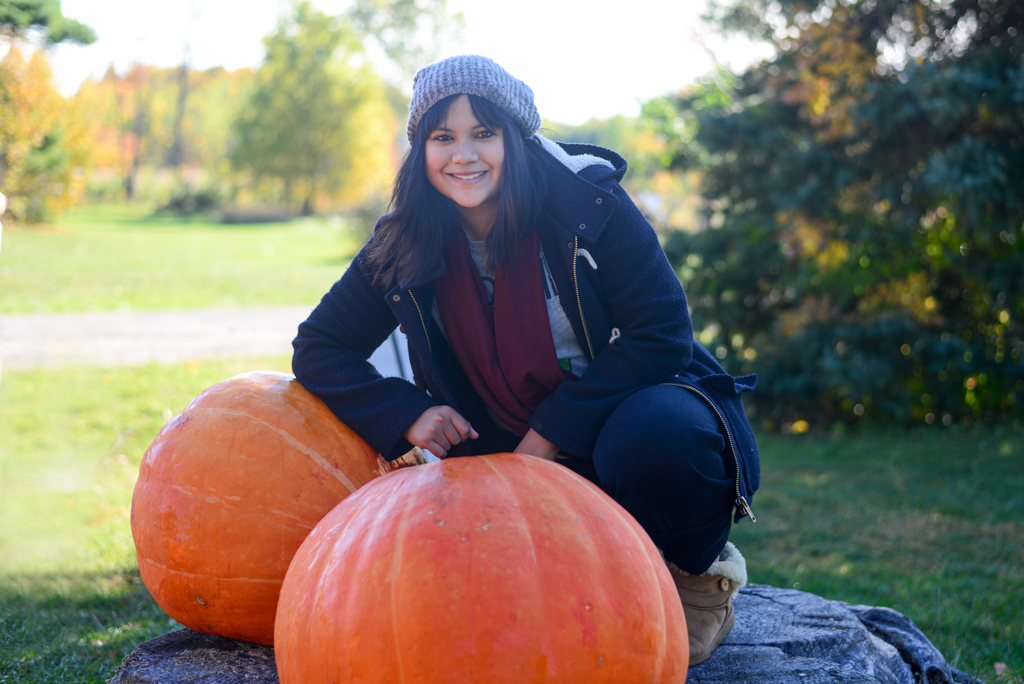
<point x="283" y="514"/>
<point x="396" y="569"/>
<point x="294" y="443"/>
<point x="601" y="501"/>
<point x="223" y="579"/>
<point x="324" y="562"/>
<point x="519" y="507"/>
<point x="583" y="504"/>
<point x="661" y="604"/>
<point x="195" y="494"/>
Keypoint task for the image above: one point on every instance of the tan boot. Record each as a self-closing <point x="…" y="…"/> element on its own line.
<point x="707" y="601"/>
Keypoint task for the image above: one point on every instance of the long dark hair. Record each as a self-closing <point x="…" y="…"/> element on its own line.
<point x="410" y="239"/>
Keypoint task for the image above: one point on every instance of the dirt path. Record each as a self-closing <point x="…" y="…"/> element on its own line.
<point x="134" y="338"/>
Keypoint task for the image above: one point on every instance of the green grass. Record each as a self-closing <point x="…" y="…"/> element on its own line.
<point x="929" y="522"/>
<point x="72" y="605"/>
<point x="74" y="627"/>
<point x="71" y="442"/>
<point x="109" y="258"/>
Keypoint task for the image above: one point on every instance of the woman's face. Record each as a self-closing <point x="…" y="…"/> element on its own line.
<point x="464" y="163"/>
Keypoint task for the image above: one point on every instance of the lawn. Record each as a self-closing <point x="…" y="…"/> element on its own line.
<point x="116" y="258"/>
<point x="929" y="521"/>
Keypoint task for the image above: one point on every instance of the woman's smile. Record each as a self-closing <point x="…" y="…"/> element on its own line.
<point x="465" y="160"/>
<point x="469" y="177"/>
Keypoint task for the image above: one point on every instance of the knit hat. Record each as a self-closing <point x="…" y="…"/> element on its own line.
<point x="473" y="75"/>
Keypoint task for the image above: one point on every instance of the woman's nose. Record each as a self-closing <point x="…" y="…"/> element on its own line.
<point x="465" y="152"/>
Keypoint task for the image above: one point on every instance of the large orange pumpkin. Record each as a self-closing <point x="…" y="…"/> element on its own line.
<point x="227" y="492"/>
<point x="502" y="568"/>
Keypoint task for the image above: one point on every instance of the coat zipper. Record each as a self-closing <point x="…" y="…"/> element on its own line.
<point x="579" y="302"/>
<point x="741" y="502"/>
<point x="422" y="321"/>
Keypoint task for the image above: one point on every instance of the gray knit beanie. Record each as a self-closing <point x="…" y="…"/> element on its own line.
<point x="473" y="75"/>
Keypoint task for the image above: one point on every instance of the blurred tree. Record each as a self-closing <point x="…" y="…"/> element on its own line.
<point x="216" y="97"/>
<point x="205" y="124"/>
<point x="42" y="142"/>
<point x="407" y="31"/>
<point x="139" y="123"/>
<point x="865" y="201"/>
<point x="134" y="101"/>
<point x="176" y="154"/>
<point x="19" y="16"/>
<point x="318" y="118"/>
<point x="669" y="200"/>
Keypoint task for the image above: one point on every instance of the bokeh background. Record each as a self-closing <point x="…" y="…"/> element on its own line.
<point x="838" y="183"/>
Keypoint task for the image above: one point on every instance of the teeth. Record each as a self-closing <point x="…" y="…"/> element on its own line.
<point x="469" y="176"/>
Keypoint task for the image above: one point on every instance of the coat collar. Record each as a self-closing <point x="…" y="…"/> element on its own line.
<point x="582" y="201"/>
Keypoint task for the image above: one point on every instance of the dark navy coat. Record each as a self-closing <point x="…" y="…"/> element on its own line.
<point x="618" y="290"/>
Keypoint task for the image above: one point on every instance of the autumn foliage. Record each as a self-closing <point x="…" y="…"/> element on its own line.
<point x="44" y="143"/>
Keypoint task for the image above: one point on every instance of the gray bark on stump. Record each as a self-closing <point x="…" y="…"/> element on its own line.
<point x="781" y="636"/>
<point x="196" y="658"/>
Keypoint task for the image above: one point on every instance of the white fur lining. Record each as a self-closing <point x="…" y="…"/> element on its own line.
<point x="574" y="163"/>
<point x="733" y="566"/>
<point x="730" y="564"/>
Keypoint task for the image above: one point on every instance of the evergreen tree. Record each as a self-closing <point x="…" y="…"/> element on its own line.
<point x="19" y="16"/>
<point x="862" y="246"/>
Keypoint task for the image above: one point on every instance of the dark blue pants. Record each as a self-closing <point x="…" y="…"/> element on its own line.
<point x="662" y="456"/>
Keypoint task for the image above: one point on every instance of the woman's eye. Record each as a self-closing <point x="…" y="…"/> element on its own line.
<point x="485" y="134"/>
<point x="443" y="137"/>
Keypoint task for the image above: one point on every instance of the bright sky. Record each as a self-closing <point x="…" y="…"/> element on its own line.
<point x="583" y="59"/>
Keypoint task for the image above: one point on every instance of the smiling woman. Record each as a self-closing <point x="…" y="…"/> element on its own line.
<point x="543" y="318"/>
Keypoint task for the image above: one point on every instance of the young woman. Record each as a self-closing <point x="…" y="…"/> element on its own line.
<point x="543" y="318"/>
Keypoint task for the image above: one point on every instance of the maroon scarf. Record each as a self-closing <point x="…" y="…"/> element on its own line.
<point x="508" y="354"/>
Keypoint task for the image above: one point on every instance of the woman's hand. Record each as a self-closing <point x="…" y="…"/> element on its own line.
<point x="438" y="429"/>
<point x="535" y="445"/>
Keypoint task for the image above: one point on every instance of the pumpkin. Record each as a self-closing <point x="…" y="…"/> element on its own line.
<point x="227" y="492"/>
<point x="500" y="568"/>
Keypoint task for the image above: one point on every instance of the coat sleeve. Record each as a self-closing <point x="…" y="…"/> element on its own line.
<point x="330" y="360"/>
<point x="646" y="303"/>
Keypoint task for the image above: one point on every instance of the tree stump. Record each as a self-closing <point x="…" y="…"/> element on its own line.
<point x="788" y="636"/>
<point x="197" y="658"/>
<point x="781" y="636"/>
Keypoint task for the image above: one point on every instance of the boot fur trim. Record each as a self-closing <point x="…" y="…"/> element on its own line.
<point x="732" y="566"/>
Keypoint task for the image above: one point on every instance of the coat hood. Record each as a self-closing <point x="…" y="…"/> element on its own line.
<point x="600" y="164"/>
<point x="582" y="185"/>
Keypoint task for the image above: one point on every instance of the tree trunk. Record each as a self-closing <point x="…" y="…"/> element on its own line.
<point x="176" y="155"/>
<point x="139" y="127"/>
